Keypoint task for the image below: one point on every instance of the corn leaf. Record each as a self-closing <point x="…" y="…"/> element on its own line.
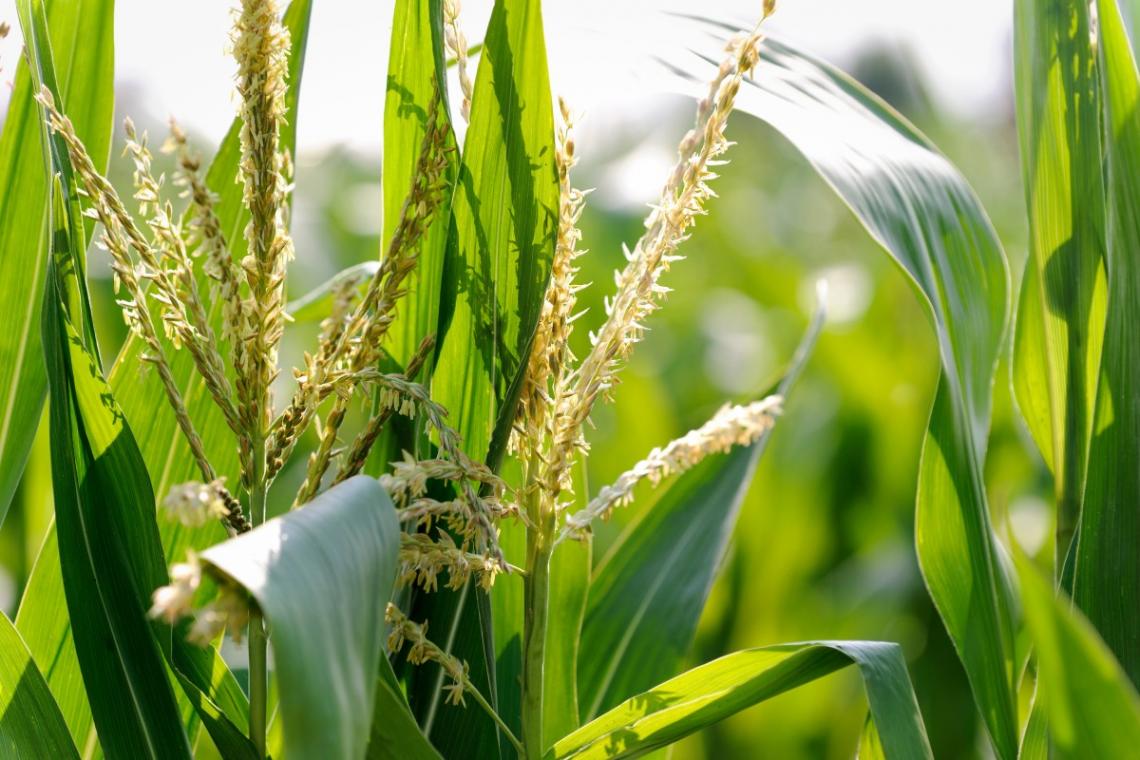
<point x="1091" y="707"/>
<point x="395" y="733"/>
<point x="41" y="617"/>
<point x="318" y="303"/>
<point x="501" y="242"/>
<point x="714" y="691"/>
<point x="648" y="593"/>
<point x="1060" y="323"/>
<point x="82" y="38"/>
<point x="505" y="217"/>
<point x="416" y="72"/>
<point x="916" y="205"/>
<point x="1107" y="581"/>
<point x="103" y="505"/>
<point x="31" y="724"/>
<point x="321" y="575"/>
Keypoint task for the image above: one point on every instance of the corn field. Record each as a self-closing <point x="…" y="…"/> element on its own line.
<point x="391" y="549"/>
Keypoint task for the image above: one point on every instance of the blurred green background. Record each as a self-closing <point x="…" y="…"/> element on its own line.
<point x="824" y="547"/>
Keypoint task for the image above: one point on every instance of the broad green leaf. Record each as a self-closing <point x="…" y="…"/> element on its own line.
<point x="1107" y="580"/>
<point x="500" y="245"/>
<point x="111" y="558"/>
<point x="1060" y="324"/>
<point x="42" y="618"/>
<point x="321" y="575"/>
<point x="415" y="74"/>
<point x="916" y="205"/>
<point x="395" y="733"/>
<point x="31" y="724"/>
<point x="647" y="594"/>
<point x="460" y="624"/>
<point x="82" y="38"/>
<point x="1092" y="709"/>
<point x="714" y="691"/>
<point x="505" y="217"/>
<point x="105" y="524"/>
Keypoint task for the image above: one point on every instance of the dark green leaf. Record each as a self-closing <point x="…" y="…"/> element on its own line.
<point x="395" y="733"/>
<point x="82" y="39"/>
<point x="321" y="575"/>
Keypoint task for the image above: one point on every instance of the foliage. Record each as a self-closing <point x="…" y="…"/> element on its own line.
<point x="463" y="595"/>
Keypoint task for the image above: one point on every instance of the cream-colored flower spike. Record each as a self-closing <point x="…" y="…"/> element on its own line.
<point x="173" y="601"/>
<point x="639" y="291"/>
<point x="261" y="49"/>
<point x="730" y="426"/>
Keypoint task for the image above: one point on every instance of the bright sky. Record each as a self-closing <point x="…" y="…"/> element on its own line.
<point x="173" y="53"/>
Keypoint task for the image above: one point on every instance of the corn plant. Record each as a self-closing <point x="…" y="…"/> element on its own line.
<point x="431" y="589"/>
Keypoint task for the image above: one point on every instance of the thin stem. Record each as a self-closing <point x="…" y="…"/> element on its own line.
<point x="536" y="600"/>
<point x="258" y="637"/>
<point x="498" y="720"/>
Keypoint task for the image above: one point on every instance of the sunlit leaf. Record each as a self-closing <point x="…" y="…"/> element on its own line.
<point x="714" y="691"/>
<point x="1107" y="581"/>
<point x="82" y="41"/>
<point x="30" y="720"/>
<point x="1092" y="708"/>
<point x="915" y="204"/>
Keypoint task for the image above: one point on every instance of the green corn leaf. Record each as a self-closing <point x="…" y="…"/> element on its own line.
<point x="714" y="691"/>
<point x="916" y="205"/>
<point x="82" y="38"/>
<point x="1107" y="581"/>
<point x="648" y="593"/>
<point x="395" y="733"/>
<point x="495" y="277"/>
<point x="31" y="724"/>
<point x="460" y="624"/>
<point x="111" y="560"/>
<point x="415" y="73"/>
<point x="320" y="575"/>
<point x="1091" y="707"/>
<point x="317" y="304"/>
<point x="505" y="216"/>
<point x="41" y="617"/>
<point x="1060" y="323"/>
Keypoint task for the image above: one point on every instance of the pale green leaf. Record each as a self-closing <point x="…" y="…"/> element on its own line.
<point x="321" y="575"/>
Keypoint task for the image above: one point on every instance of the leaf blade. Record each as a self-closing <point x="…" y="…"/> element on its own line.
<point x="317" y="574"/>
<point x="723" y="687"/>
